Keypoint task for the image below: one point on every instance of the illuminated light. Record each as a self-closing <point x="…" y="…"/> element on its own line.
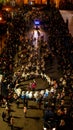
<point x="7" y="9"/>
<point x="57" y="3"/>
<point x="37" y="22"/>
<point x="0" y="18"/>
<point x="35" y="34"/>
<point x="46" y="2"/>
<point x="31" y="3"/>
<point x="54" y="129"/>
<point x="45" y="128"/>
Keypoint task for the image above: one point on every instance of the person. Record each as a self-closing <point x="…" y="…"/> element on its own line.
<point x="29" y="86"/>
<point x="3" y="115"/>
<point x="25" y="110"/>
<point x="33" y="86"/>
<point x="38" y="33"/>
<point x="9" y="118"/>
<point x="26" y="103"/>
<point x="40" y="101"/>
<point x="49" y="118"/>
<point x="62" y="125"/>
<point x="12" y="122"/>
<point x="17" y="102"/>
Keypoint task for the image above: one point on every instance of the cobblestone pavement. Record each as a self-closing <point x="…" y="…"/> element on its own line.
<point x="33" y="118"/>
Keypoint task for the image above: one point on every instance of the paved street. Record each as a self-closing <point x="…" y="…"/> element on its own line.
<point x="34" y="118"/>
<point x="27" y="61"/>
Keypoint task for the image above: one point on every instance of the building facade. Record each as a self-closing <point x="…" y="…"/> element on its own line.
<point x="56" y="2"/>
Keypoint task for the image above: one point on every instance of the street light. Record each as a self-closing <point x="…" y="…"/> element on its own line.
<point x="0" y="18"/>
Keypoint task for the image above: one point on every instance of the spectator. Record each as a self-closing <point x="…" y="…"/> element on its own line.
<point x="3" y="116"/>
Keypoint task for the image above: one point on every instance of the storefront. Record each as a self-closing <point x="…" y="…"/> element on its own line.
<point x="20" y="2"/>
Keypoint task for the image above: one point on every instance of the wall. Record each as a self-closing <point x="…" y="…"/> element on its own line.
<point x="68" y="15"/>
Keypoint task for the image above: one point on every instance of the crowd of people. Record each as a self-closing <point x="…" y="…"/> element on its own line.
<point x="66" y="5"/>
<point x="21" y="60"/>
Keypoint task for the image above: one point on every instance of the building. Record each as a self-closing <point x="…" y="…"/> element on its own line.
<point x="20" y="2"/>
